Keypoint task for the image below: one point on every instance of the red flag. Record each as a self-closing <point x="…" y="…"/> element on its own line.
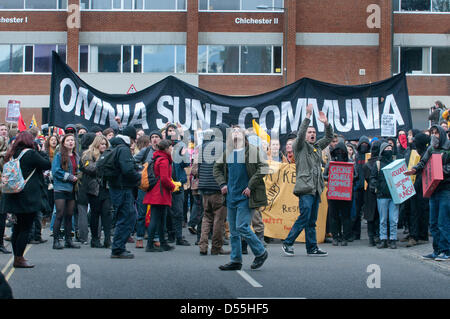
<point x="21" y="124"/>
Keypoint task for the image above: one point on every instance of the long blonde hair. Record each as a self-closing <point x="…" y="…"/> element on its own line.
<point x="93" y="152"/>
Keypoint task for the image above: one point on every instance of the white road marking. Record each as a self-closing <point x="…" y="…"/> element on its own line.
<point x="249" y="279"/>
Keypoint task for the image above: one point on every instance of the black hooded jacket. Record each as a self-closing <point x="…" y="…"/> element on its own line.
<point x="378" y="182"/>
<point x="129" y="176"/>
<point x="444" y="149"/>
<point x="339" y="146"/>
<point x="360" y="160"/>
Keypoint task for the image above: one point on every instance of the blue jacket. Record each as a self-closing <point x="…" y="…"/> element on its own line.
<point x="61" y="177"/>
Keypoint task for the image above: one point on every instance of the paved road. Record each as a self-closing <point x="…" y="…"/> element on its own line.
<point x="183" y="273"/>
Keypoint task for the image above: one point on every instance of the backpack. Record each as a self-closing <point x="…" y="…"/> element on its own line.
<point x="148" y="177"/>
<point x="12" y="178"/>
<point x="106" y="164"/>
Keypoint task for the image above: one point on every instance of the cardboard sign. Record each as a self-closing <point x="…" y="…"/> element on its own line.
<point x="432" y="175"/>
<point x="340" y="181"/>
<point x="400" y="185"/>
<point x="414" y="159"/>
<point x="12" y="111"/>
<point x="388" y="125"/>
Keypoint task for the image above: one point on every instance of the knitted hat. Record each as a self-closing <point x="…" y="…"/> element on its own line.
<point x="129" y="131"/>
<point x="156" y="132"/>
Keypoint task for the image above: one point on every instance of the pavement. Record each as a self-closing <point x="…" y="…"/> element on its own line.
<point x="183" y="274"/>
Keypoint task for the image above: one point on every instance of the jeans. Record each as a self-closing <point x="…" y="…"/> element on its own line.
<point x="122" y="200"/>
<point x="440" y="221"/>
<point x="239" y="219"/>
<point x="83" y="223"/>
<point x="387" y="209"/>
<point x="176" y="215"/>
<point x="157" y="223"/>
<point x="309" y="207"/>
<point x="142" y="211"/>
<point x="196" y="211"/>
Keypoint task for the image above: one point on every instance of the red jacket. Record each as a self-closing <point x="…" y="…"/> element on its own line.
<point x="161" y="194"/>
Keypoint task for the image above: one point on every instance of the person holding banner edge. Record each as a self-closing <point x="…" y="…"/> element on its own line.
<point x="309" y="184"/>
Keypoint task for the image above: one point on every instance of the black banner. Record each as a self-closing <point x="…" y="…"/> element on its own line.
<point x="352" y="110"/>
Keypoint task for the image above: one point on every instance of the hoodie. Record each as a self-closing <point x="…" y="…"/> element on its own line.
<point x="360" y="160"/>
<point x="129" y="176"/>
<point x="336" y="158"/>
<point x="378" y="182"/>
<point x="444" y="149"/>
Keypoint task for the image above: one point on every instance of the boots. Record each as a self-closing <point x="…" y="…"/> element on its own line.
<point x="371" y="242"/>
<point x="382" y="244"/>
<point x="20" y="262"/>
<point x="107" y="243"/>
<point x="69" y="243"/>
<point x="95" y="243"/>
<point x="57" y="243"/>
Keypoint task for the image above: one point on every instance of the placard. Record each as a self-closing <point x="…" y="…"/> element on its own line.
<point x="12" y="111"/>
<point x="400" y="185"/>
<point x="432" y="175"/>
<point x="340" y="181"/>
<point x="388" y="125"/>
<point x="414" y="159"/>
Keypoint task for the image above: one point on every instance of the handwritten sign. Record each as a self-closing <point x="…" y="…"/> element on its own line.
<point x="340" y="181"/>
<point x="432" y="175"/>
<point x="400" y="185"/>
<point x="388" y="125"/>
<point x="12" y="111"/>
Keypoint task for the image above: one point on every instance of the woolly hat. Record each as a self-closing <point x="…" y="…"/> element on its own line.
<point x="129" y="131"/>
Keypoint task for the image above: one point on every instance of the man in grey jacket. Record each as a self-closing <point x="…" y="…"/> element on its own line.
<point x="309" y="184"/>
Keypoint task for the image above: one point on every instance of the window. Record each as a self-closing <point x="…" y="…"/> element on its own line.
<point x="440" y="60"/>
<point x="105" y="58"/>
<point x="164" y="58"/>
<point x="416" y="60"/>
<point x="239" y="5"/>
<point x="422" y="5"/>
<point x="33" y="4"/>
<point x="11" y="58"/>
<point x="239" y="59"/>
<point x="132" y="58"/>
<point x="29" y="58"/>
<point x="133" y="4"/>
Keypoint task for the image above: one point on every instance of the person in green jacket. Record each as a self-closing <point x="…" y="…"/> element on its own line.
<point x="239" y="174"/>
<point x="309" y="183"/>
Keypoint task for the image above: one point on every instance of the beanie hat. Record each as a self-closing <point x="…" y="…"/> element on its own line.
<point x="129" y="131"/>
<point x="156" y="132"/>
<point x="96" y="129"/>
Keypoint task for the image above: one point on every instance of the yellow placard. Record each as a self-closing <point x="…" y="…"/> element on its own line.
<point x="282" y="210"/>
<point x="413" y="160"/>
<point x="368" y="156"/>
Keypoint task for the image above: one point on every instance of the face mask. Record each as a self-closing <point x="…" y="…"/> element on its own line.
<point x="387" y="154"/>
<point x="364" y="149"/>
<point x="434" y="141"/>
<point x="403" y="141"/>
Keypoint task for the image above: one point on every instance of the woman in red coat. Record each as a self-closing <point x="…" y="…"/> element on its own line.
<point x="160" y="196"/>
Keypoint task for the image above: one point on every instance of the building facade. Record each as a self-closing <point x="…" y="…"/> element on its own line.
<point x="233" y="47"/>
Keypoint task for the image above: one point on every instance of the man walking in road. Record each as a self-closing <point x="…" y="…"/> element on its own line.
<point x="309" y="184"/>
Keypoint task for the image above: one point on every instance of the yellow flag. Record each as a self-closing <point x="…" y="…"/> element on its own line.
<point x="33" y="122"/>
<point x="260" y="132"/>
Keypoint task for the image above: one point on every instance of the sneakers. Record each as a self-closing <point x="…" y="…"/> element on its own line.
<point x="393" y="244"/>
<point x="318" y="253"/>
<point x="259" y="261"/>
<point x="166" y="247"/>
<point x="412" y="242"/>
<point x="219" y="252"/>
<point x="288" y="250"/>
<point x="431" y="256"/>
<point x="123" y="255"/>
<point x="231" y="266"/>
<point x="192" y="230"/>
<point x="382" y="244"/>
<point x="183" y="242"/>
<point x="443" y="257"/>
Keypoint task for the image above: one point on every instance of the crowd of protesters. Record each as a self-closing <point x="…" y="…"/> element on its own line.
<point x="217" y="195"/>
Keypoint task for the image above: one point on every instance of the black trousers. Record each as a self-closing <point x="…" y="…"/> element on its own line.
<point x="373" y="227"/>
<point x="21" y="232"/>
<point x="356" y="223"/>
<point x="100" y="209"/>
<point x="36" y="229"/>
<point x="340" y="211"/>
<point x="176" y="216"/>
<point x="419" y="217"/>
<point x="2" y="227"/>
